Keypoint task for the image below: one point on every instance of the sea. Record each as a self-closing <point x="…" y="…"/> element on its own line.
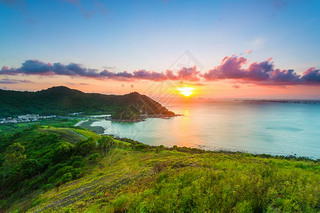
<point x="258" y="127"/>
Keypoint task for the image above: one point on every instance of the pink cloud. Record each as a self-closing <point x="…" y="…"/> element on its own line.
<point x="231" y="68"/>
<point x="262" y="73"/>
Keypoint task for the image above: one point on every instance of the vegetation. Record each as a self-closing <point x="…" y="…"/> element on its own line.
<point x="62" y="101"/>
<point x="45" y="157"/>
<point x="57" y="122"/>
<point x="128" y="114"/>
<point x="75" y="170"/>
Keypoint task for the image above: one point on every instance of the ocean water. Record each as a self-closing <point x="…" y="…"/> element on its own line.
<point x="254" y="127"/>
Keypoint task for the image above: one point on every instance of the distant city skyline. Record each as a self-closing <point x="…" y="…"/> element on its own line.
<point x="224" y="49"/>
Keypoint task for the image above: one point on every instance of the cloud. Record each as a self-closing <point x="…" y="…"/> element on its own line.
<point x="184" y="74"/>
<point x="36" y="67"/>
<point x="188" y="74"/>
<point x="288" y="76"/>
<point x="263" y="73"/>
<point x="120" y="75"/>
<point x="312" y="75"/>
<point x="236" y="86"/>
<point x="13" y="81"/>
<point x="74" y="69"/>
<point x="231" y="68"/>
<point x="259" y="71"/>
<point x="149" y="75"/>
<point x="7" y="71"/>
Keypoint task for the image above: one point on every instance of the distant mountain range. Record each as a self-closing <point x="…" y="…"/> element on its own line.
<point x="63" y="101"/>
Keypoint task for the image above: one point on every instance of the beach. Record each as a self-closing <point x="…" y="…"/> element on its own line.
<point x="87" y="125"/>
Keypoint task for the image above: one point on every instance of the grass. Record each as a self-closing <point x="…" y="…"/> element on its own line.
<point x="135" y="178"/>
<point x="66" y="134"/>
<point x="173" y="181"/>
<point x="58" y="122"/>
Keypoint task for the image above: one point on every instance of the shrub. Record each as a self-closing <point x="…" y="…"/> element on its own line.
<point x="93" y="157"/>
<point x="106" y="143"/>
<point x="30" y="168"/>
<point x="47" y="187"/>
<point x="119" y="204"/>
<point x="66" y="177"/>
<point x="84" y="148"/>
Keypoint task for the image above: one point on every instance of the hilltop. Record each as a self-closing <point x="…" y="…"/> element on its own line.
<point x="63" y="100"/>
<point x="75" y="170"/>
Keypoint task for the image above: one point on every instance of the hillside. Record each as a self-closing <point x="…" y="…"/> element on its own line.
<point x="101" y="174"/>
<point x="62" y="101"/>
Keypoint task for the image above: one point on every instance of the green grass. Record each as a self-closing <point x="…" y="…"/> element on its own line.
<point x="9" y="128"/>
<point x="87" y="133"/>
<point x="66" y="134"/>
<point x="136" y="178"/>
<point x="172" y="181"/>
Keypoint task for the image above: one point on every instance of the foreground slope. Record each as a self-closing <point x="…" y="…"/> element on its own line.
<point x="134" y="177"/>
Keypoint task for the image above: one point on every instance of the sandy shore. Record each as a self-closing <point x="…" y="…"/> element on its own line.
<point x="87" y="125"/>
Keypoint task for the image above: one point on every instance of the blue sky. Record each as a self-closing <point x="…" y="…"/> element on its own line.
<point x="152" y="34"/>
<point x="241" y="49"/>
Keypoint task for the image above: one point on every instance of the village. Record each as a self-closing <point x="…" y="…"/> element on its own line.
<point x="25" y="118"/>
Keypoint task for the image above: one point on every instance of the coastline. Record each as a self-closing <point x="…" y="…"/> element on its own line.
<point x="100" y="130"/>
<point x="87" y="125"/>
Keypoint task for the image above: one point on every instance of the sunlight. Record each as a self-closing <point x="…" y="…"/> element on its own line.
<point x="186" y="91"/>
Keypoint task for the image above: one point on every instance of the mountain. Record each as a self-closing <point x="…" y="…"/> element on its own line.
<point x="63" y="100"/>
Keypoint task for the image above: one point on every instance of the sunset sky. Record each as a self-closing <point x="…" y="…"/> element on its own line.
<point x="222" y="49"/>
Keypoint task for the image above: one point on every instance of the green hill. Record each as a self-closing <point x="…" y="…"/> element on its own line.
<point x="62" y="101"/>
<point x="102" y="174"/>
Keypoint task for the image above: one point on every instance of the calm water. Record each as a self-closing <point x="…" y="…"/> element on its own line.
<point x="271" y="128"/>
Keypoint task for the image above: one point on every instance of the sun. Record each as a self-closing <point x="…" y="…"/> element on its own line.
<point x="186" y="91"/>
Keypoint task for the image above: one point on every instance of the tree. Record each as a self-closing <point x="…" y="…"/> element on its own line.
<point x="85" y="147"/>
<point x="127" y="114"/>
<point x="63" y="151"/>
<point x="13" y="156"/>
<point x="30" y="168"/>
<point x="105" y="144"/>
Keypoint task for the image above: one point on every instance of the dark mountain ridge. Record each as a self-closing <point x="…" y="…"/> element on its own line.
<point x="63" y="101"/>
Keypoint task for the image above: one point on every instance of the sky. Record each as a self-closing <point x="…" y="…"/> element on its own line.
<point x="223" y="49"/>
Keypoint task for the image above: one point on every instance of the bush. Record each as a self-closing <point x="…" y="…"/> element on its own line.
<point x="76" y="173"/>
<point x="119" y="204"/>
<point x="93" y="157"/>
<point x="47" y="187"/>
<point x="78" y="161"/>
<point x="63" y="151"/>
<point x="140" y="146"/>
<point x="30" y="168"/>
<point x="66" y="177"/>
<point x="159" y="148"/>
<point x="84" y="148"/>
<point x="105" y="144"/>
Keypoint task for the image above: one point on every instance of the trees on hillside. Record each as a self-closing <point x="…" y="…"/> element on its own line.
<point x="105" y="144"/>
